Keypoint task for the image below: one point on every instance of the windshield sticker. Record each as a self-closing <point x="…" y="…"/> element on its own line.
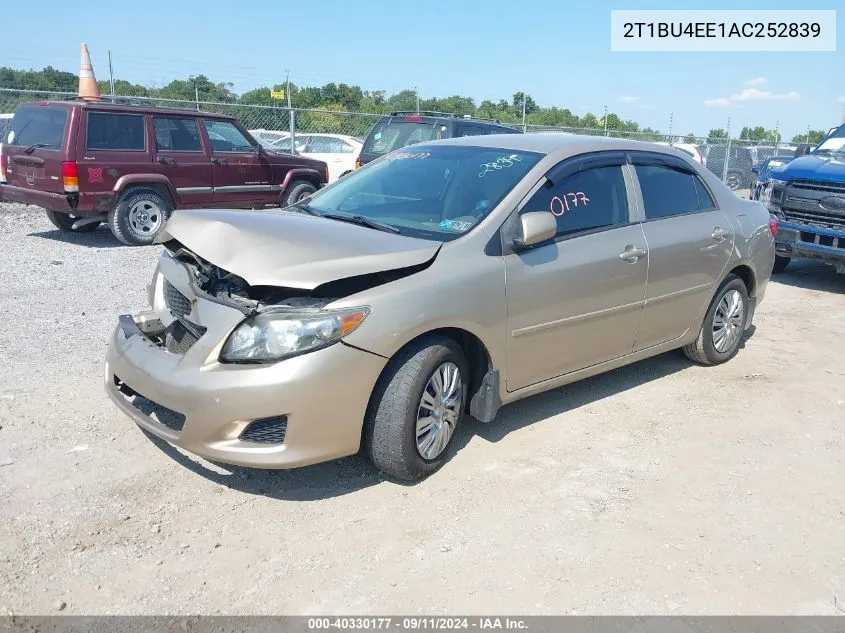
<point x="499" y="163"/>
<point x="459" y="226"/>
<point x="410" y="155"/>
<point x="560" y="205"/>
<point x="377" y="136"/>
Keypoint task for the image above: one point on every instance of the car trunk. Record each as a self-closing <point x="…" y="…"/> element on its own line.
<point x="32" y="148"/>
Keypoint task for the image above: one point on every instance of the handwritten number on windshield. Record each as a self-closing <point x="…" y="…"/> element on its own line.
<point x="499" y="163"/>
<point x="560" y="205"/>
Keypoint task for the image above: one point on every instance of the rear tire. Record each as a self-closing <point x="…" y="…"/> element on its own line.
<point x="296" y="191"/>
<point x="138" y="216"/>
<point x="724" y="325"/>
<point x="399" y="423"/>
<point x="780" y="264"/>
<point x="64" y="222"/>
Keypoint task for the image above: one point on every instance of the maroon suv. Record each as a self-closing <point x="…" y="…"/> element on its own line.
<point x="92" y="162"/>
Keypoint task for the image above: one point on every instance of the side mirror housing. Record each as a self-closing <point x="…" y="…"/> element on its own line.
<point x="755" y="170"/>
<point x="535" y="227"/>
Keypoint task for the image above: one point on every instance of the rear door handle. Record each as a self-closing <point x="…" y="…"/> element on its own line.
<point x="165" y="161"/>
<point x="719" y="234"/>
<point x="632" y="254"/>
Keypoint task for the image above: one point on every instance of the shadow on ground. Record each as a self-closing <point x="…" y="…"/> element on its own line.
<point x="348" y="475"/>
<point x="811" y="275"/>
<point x="101" y="238"/>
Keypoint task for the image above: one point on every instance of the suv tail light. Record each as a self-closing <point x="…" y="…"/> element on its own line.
<point x="326" y="175"/>
<point x="2" y="165"/>
<point x="358" y="163"/>
<point x="773" y="226"/>
<point x="70" y="176"/>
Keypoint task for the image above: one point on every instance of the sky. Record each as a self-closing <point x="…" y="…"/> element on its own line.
<point x="557" y="52"/>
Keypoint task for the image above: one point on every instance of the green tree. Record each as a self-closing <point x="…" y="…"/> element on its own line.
<point x="815" y="137"/>
<point x="690" y="138"/>
<point x="717" y="133"/>
<point x="530" y="104"/>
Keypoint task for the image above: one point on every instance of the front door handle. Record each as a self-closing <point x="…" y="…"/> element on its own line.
<point x="632" y="254"/>
<point x="219" y="161"/>
<point x="719" y="234"/>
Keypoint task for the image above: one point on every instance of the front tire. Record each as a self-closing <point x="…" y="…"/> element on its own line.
<point x="416" y="409"/>
<point x="780" y="264"/>
<point x="296" y="191"/>
<point x="721" y="333"/>
<point x="138" y="216"/>
<point x="64" y="222"/>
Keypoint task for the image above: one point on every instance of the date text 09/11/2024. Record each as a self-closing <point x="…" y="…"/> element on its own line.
<point x="416" y="623"/>
<point x="722" y="29"/>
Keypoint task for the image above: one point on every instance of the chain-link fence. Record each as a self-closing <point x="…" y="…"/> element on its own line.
<point x="733" y="161"/>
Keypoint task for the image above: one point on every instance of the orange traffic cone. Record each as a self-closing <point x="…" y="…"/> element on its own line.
<point x="88" y="88"/>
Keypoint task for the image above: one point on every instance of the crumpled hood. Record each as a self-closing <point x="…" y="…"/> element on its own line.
<point x="811" y="168"/>
<point x="289" y="249"/>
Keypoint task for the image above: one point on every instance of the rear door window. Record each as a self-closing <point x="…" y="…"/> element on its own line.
<point x="666" y="191"/>
<point x="39" y="126"/>
<point x="176" y="135"/>
<point x="115" y="132"/>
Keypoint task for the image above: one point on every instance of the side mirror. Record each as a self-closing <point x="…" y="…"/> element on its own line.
<point x="755" y="170"/>
<point x="535" y="227"/>
<point x="802" y="150"/>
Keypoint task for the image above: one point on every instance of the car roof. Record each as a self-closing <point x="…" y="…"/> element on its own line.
<point x="551" y="143"/>
<point x="126" y="108"/>
<point x="445" y="116"/>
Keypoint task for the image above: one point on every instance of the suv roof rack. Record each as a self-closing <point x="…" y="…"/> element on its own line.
<point x="424" y="113"/>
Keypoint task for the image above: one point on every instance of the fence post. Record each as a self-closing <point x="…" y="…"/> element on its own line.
<point x="727" y="154"/>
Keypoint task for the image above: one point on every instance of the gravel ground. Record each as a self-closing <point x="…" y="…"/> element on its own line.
<point x="661" y="488"/>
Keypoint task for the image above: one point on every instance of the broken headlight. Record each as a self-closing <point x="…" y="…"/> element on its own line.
<point x="273" y="336"/>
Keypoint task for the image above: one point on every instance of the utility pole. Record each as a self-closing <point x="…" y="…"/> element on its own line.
<point x="417" y="93"/>
<point x="605" y="120"/>
<point x="671" y="120"/>
<point x="808" y="135"/>
<point x="196" y="91"/>
<point x="727" y="153"/>
<point x="111" y="78"/>
<point x="523" y="112"/>
<point x="291" y="114"/>
<point x="777" y="136"/>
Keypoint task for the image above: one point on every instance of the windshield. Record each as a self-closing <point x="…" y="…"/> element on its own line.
<point x="387" y="136"/>
<point x="833" y="144"/>
<point x="436" y="193"/>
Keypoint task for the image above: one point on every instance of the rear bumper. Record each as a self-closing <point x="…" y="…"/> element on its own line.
<point x="78" y="204"/>
<point x="801" y="240"/>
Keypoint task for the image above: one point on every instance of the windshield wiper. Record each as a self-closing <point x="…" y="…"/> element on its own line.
<point x="34" y="147"/>
<point x="360" y="220"/>
<point x="304" y="206"/>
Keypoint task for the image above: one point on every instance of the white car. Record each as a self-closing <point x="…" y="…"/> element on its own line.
<point x="688" y="148"/>
<point x="338" y="151"/>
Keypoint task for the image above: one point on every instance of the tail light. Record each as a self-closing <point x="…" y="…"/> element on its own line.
<point x="413" y="119"/>
<point x="70" y="176"/>
<point x="358" y="163"/>
<point x="2" y="165"/>
<point x="773" y="226"/>
<point x="326" y="174"/>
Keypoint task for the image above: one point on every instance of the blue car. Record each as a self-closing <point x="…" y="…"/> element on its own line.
<point x="763" y="173"/>
<point x="807" y="196"/>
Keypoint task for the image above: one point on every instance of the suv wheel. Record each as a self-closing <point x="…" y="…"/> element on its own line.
<point x="721" y="333"/>
<point x="416" y="409"/>
<point x="734" y="181"/>
<point x="64" y="222"/>
<point x="138" y="216"/>
<point x="296" y="191"/>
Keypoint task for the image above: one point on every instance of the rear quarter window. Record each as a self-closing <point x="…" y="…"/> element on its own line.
<point x="36" y="125"/>
<point x="115" y="131"/>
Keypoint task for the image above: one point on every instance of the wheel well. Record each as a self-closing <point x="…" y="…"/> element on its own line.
<point x="159" y="188"/>
<point x="747" y="276"/>
<point x="310" y="178"/>
<point x="478" y="358"/>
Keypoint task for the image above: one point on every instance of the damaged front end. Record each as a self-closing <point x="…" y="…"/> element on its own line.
<point x="275" y="323"/>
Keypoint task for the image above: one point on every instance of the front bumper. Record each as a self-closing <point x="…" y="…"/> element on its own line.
<point x="323" y="394"/>
<point x="801" y="240"/>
